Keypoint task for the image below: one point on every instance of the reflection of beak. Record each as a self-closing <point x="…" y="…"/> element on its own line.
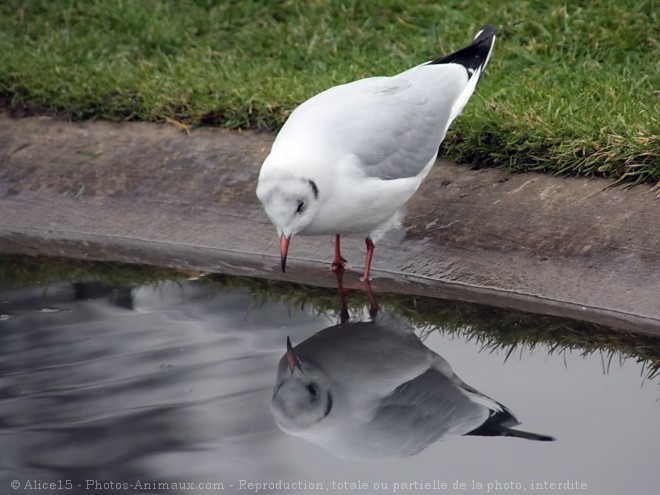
<point x="284" y="249"/>
<point x="291" y="357"/>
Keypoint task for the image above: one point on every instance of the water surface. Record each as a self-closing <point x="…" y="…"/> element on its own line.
<point x="120" y="390"/>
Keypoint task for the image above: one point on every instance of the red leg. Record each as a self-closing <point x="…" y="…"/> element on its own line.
<point x="370" y="255"/>
<point x="343" y="314"/>
<point x="373" y="304"/>
<point x="338" y="261"/>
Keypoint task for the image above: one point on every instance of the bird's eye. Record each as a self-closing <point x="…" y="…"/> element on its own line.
<point x="301" y="206"/>
<point x="313" y="389"/>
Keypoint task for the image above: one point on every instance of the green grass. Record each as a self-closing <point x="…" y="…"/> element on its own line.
<point x="18" y="271"/>
<point x="573" y="89"/>
<point x="494" y="329"/>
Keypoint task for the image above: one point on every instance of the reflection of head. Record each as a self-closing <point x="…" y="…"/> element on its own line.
<point x="303" y="399"/>
<point x="373" y="390"/>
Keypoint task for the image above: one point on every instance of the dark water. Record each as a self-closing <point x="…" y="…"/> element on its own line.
<point x="167" y="389"/>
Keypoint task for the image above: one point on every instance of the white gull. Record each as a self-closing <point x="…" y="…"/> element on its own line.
<point x="348" y="159"/>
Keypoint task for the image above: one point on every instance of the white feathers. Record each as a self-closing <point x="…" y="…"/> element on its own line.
<point x="366" y="146"/>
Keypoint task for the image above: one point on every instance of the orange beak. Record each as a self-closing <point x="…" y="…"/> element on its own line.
<point x="284" y="249"/>
<point x="291" y="357"/>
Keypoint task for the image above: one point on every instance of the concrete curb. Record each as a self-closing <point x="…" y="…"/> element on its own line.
<point x="151" y="193"/>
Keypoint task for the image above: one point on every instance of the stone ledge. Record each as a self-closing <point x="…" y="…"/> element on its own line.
<point x="153" y="194"/>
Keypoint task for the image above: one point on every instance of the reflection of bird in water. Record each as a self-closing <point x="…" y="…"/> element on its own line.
<point x="372" y="390"/>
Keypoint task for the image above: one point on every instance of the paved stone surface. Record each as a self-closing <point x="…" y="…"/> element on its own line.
<point x="153" y="194"/>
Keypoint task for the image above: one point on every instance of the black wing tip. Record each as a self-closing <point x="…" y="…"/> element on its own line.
<point x="501" y="423"/>
<point x="486" y="32"/>
<point x="503" y="431"/>
<point x="476" y="53"/>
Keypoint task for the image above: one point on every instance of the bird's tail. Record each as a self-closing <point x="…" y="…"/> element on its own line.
<point x="474" y="58"/>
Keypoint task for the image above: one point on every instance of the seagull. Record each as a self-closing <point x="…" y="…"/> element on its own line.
<point x="347" y="160"/>
<point x="373" y="390"/>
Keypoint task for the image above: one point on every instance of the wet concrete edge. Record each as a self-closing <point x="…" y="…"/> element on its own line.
<point x="153" y="194"/>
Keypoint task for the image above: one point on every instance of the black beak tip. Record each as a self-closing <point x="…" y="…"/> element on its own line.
<point x="283" y="265"/>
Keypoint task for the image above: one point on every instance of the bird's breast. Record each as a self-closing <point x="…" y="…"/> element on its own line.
<point x="360" y="205"/>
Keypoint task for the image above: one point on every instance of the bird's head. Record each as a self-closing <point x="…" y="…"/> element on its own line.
<point x="290" y="202"/>
<point x="302" y="397"/>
